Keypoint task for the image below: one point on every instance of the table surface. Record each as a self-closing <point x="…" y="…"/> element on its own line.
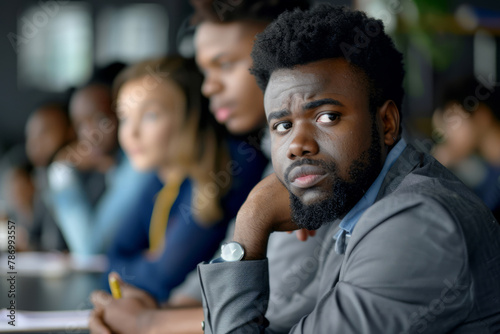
<point x="70" y="291"/>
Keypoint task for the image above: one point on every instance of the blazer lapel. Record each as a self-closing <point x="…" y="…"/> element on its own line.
<point x="409" y="160"/>
<point x="330" y="261"/>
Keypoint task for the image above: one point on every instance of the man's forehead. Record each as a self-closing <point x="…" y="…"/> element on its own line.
<point x="331" y="76"/>
<point x="287" y="85"/>
<point x="211" y="36"/>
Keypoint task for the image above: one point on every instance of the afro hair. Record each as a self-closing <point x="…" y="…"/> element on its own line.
<point x="326" y="31"/>
<point x="226" y="11"/>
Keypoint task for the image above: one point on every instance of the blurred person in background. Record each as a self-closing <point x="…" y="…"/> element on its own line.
<point x="48" y="129"/>
<point x="20" y="192"/>
<point x="17" y="191"/>
<point x="224" y="41"/>
<point x="92" y="183"/>
<point x="202" y="176"/>
<point x="18" y="188"/>
<point x="467" y="129"/>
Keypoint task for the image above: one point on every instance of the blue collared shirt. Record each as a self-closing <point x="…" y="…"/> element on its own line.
<point x="347" y="224"/>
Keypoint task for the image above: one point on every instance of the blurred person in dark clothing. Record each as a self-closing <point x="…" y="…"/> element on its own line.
<point x="467" y="129"/>
<point x="48" y="129"/>
<point x="89" y="225"/>
<point x="16" y="198"/>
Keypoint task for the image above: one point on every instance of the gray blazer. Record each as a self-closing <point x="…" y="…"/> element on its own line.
<point x="293" y="288"/>
<point x="425" y="258"/>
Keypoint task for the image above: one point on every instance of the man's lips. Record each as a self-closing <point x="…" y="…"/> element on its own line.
<point x="222" y="114"/>
<point x="306" y="176"/>
<point x="221" y="110"/>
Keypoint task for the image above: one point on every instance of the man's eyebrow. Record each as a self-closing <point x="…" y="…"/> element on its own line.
<point x="310" y="105"/>
<point x="319" y="103"/>
<point x="278" y="114"/>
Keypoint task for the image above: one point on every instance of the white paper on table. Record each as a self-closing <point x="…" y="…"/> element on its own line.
<point x="54" y="264"/>
<point x="46" y="320"/>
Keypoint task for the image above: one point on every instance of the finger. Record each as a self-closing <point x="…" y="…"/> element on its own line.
<point x="131" y="291"/>
<point x="96" y="325"/>
<point x="117" y="276"/>
<point x="127" y="289"/>
<point x="311" y="233"/>
<point x="100" y="298"/>
<point x="140" y="295"/>
<point x="302" y="235"/>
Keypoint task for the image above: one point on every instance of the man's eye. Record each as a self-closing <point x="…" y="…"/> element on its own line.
<point x="282" y="127"/>
<point x="327" y="118"/>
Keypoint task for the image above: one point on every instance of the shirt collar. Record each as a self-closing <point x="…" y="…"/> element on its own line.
<point x="348" y="223"/>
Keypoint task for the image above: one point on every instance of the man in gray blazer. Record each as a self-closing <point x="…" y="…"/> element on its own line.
<point x="409" y="248"/>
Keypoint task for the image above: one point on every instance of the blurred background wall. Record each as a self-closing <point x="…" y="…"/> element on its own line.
<point x="49" y="47"/>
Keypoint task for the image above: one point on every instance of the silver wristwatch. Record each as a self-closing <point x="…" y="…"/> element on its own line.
<point x="230" y="252"/>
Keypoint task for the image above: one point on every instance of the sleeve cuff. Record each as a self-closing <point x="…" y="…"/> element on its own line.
<point x="235" y="295"/>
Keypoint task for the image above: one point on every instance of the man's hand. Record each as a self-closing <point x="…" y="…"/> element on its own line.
<point x="269" y="202"/>
<point x="267" y="209"/>
<point x="126" y="315"/>
<point x="303" y="234"/>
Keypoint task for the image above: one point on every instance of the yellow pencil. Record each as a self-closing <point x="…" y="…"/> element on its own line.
<point x="114" y="285"/>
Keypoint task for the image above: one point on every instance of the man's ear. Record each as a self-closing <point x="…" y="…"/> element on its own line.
<point x="389" y="116"/>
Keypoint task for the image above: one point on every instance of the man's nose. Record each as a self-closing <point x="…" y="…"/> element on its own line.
<point x="211" y="85"/>
<point x="303" y="142"/>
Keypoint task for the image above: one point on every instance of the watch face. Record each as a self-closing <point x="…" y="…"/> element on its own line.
<point x="232" y="252"/>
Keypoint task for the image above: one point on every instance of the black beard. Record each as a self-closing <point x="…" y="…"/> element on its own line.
<point x="345" y="194"/>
